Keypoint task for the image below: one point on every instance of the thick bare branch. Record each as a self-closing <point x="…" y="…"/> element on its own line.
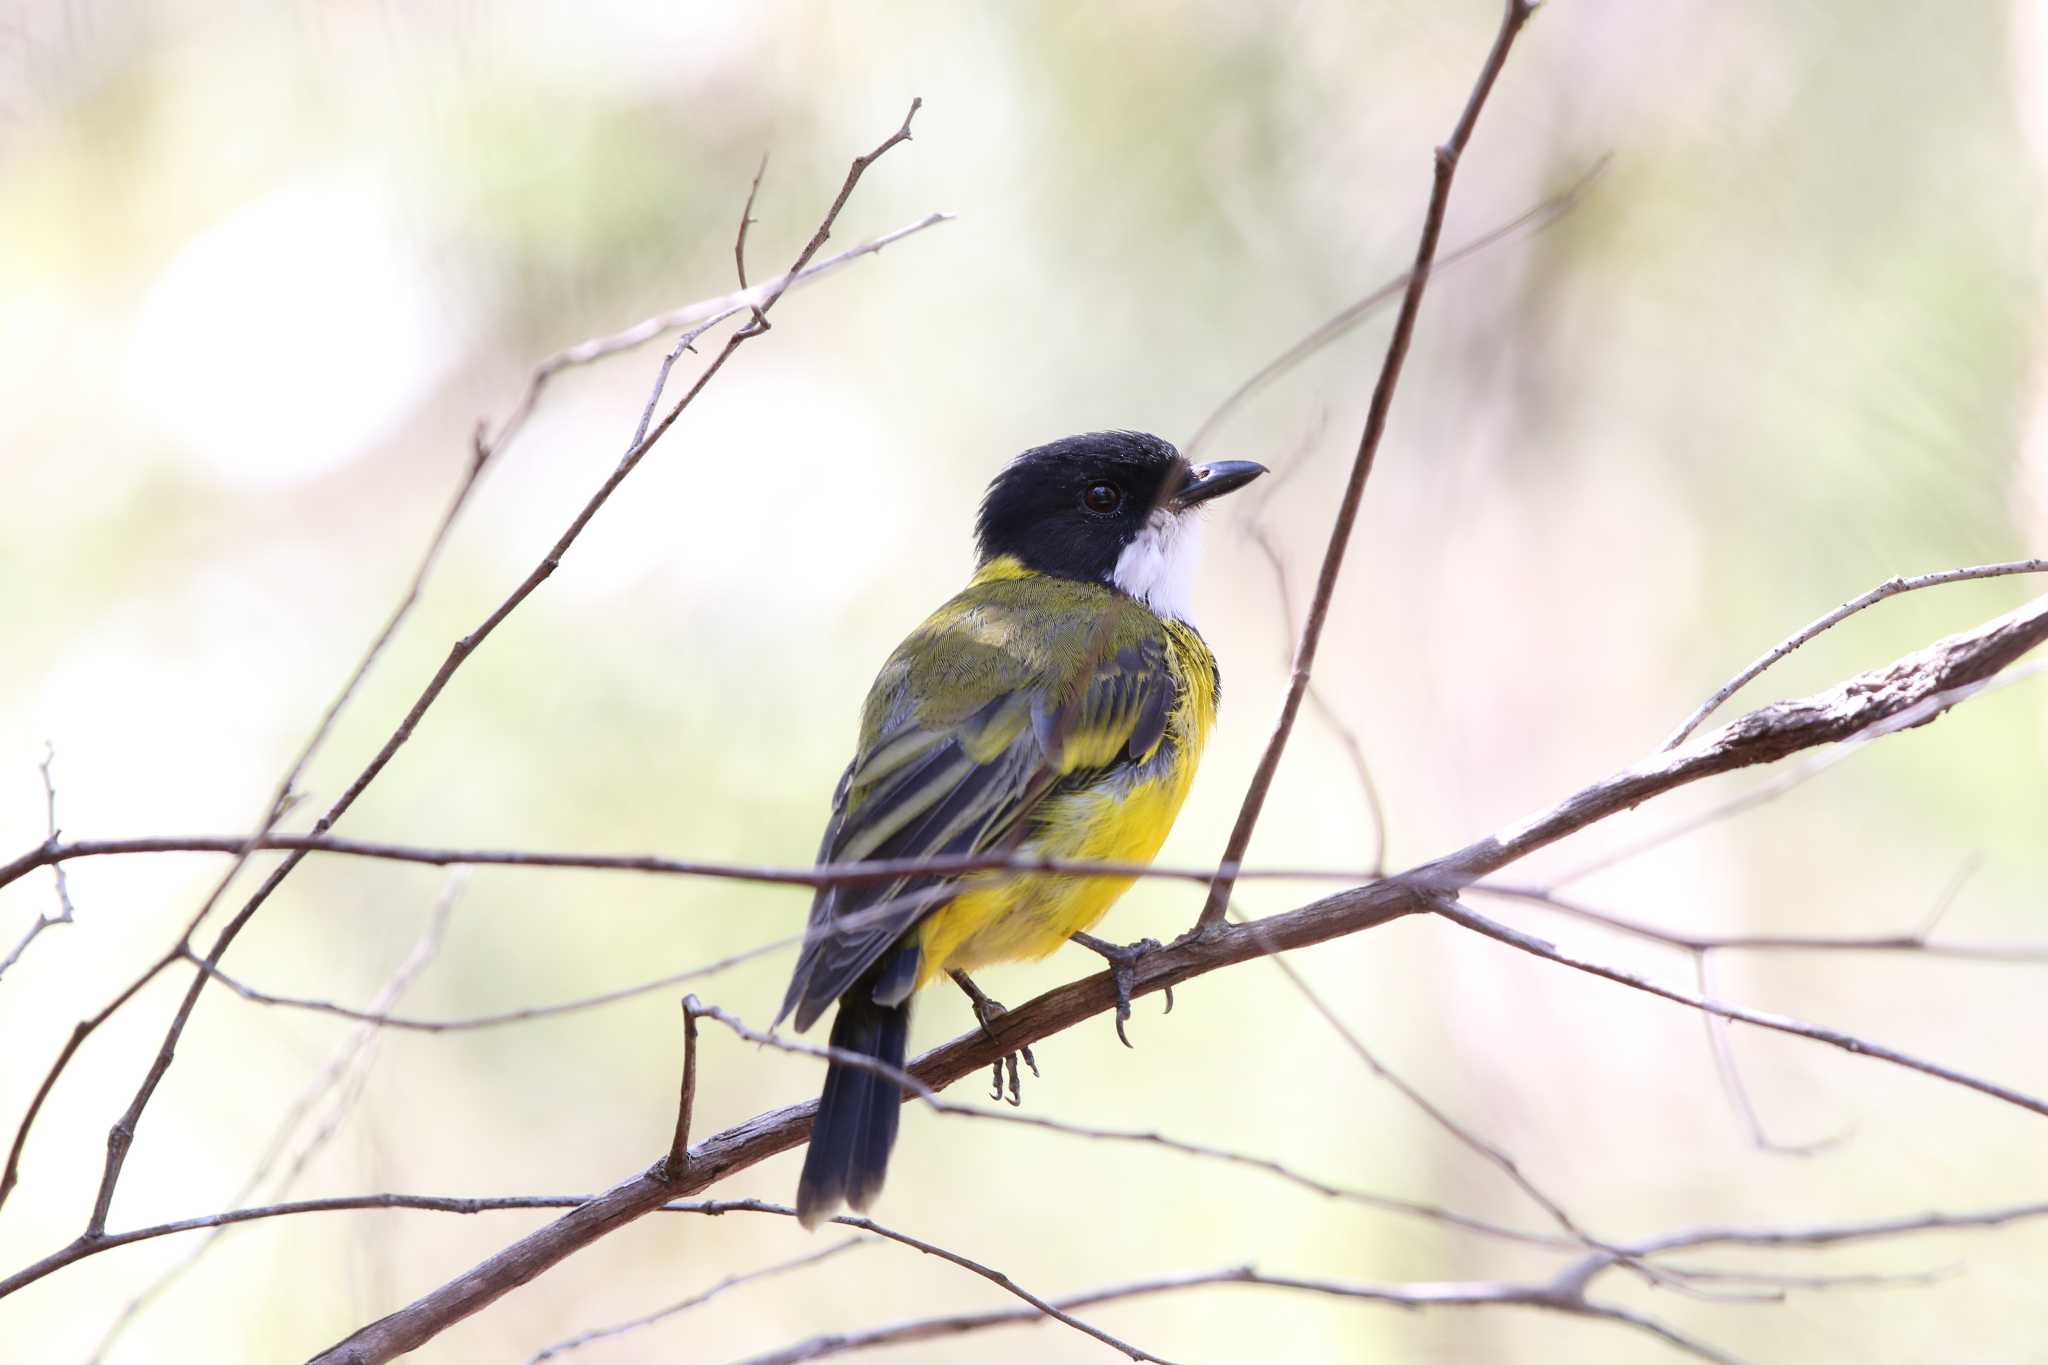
<point x="1891" y="587"/>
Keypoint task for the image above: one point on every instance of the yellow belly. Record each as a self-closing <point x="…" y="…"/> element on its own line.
<point x="1005" y="917"/>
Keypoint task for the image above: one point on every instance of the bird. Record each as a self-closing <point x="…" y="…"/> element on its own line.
<point x="1056" y="707"/>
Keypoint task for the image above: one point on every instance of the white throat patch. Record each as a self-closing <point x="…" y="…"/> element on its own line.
<point x="1158" y="567"/>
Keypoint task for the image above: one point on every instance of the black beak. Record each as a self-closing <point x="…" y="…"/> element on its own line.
<point x="1213" y="480"/>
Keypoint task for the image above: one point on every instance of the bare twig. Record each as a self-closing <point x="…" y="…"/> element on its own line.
<point x="700" y="315"/>
<point x="1488" y="1151"/>
<point x="382" y="1019"/>
<point x="739" y="242"/>
<point x="619" y="1329"/>
<point x="1861" y="704"/>
<point x="1815" y="1236"/>
<point x="880" y="870"/>
<point x="938" y="1104"/>
<point x="122" y="1134"/>
<point x="1458" y="914"/>
<point x="1922" y="711"/>
<point x="1536" y="219"/>
<point x="1262" y="537"/>
<point x="1915" y="941"/>
<point x="281" y="799"/>
<point x="65" y="911"/>
<point x="1513" y="15"/>
<point x="1730" y="1073"/>
<point x="988" y="1273"/>
<point x="343" y="1076"/>
<point x="1562" y="1295"/>
<point x="1384" y="1203"/>
<point x="1891" y="587"/>
<point x="679" y="1145"/>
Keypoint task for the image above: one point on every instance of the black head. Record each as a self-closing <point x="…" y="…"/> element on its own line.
<point x="1091" y="505"/>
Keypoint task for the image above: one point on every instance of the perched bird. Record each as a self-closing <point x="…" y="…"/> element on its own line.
<point x="1057" y="706"/>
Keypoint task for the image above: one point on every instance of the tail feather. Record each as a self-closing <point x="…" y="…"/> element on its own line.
<point x="857" y="1113"/>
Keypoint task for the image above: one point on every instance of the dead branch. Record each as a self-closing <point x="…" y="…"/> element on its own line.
<point x="1891" y="587"/>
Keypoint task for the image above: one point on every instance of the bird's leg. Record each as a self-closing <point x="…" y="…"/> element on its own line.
<point x="1122" y="958"/>
<point x="985" y="1012"/>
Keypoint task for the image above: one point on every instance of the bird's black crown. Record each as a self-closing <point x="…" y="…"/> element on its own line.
<point x="1071" y="507"/>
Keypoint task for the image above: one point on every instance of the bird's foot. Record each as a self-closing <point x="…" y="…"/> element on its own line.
<point x="1123" y="959"/>
<point x="986" y="1011"/>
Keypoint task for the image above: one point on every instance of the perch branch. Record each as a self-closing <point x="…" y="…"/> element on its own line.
<point x="1939" y="674"/>
<point x="1891" y="587"/>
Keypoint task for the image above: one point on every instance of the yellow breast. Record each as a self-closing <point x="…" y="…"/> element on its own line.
<point x="1123" y="817"/>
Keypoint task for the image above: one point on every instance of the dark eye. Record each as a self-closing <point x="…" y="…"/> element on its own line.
<point x="1103" y="498"/>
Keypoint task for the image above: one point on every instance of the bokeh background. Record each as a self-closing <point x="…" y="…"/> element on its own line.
<point x="266" y="266"/>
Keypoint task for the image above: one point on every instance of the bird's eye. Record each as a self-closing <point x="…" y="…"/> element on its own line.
<point x="1103" y="498"/>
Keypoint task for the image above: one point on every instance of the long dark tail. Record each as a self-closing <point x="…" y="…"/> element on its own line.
<point x="857" y="1114"/>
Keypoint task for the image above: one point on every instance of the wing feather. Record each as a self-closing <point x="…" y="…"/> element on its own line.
<point x="1058" y="691"/>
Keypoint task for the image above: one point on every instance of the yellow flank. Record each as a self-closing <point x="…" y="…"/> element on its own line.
<point x="1002" y="917"/>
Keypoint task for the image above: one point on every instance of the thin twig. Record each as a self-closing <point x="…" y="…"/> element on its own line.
<point x="739" y="241"/>
<point x="989" y="1273"/>
<point x="383" y="1019"/>
<point x="1488" y="1151"/>
<point x="1730" y="1073"/>
<point x="1891" y="587"/>
<point x="1535" y="219"/>
<point x="619" y="1329"/>
<point x="1513" y="16"/>
<point x="1922" y="711"/>
<point x="343" y="1076"/>
<point x="1449" y="909"/>
<point x="876" y="871"/>
<point x="281" y="799"/>
<point x="1555" y="1297"/>
<point x="679" y="1145"/>
<point x="1815" y="1236"/>
<point x="1915" y="941"/>
<point x="122" y="1135"/>
<point x="705" y="311"/>
<point x="65" y="911"/>
<point x="939" y="1104"/>
<point x="1261" y="535"/>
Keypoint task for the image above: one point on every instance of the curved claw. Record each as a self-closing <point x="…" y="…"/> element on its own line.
<point x="1123" y="960"/>
<point x="1004" y="1069"/>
